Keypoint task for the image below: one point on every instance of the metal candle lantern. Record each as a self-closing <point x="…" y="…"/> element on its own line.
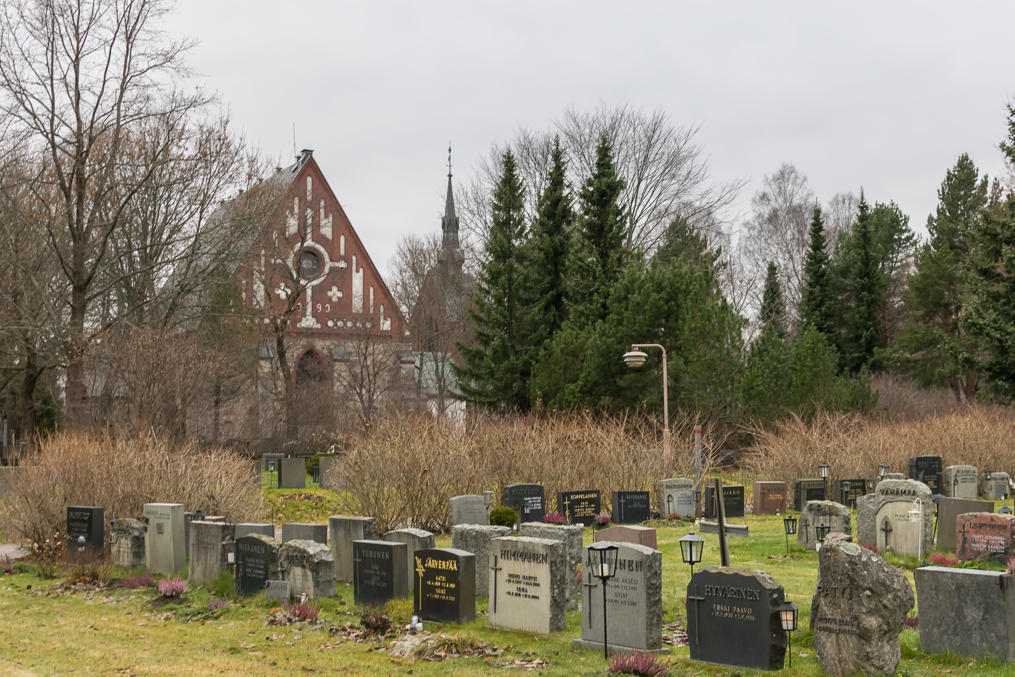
<point x="789" y="525"/>
<point x="788" y="618"/>
<point x="691" y="547"/>
<point x="602" y="563"/>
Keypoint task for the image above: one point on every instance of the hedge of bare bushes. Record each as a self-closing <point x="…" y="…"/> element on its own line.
<point x="121" y="474"/>
<point x="405" y="471"/>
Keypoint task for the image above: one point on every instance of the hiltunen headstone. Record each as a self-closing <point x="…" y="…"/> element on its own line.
<point x="630" y="507"/>
<point x="627" y="533"/>
<point x="85" y="530"/>
<point x="858" y="611"/>
<point x="948" y="510"/>
<point x="984" y="535"/>
<point x="414" y="539"/>
<point x="165" y="549"/>
<point x="822" y="513"/>
<point x="126" y="543"/>
<point x="478" y="540"/>
<point x="848" y="492"/>
<point x="528" y="582"/>
<point x="304" y="531"/>
<point x="571" y="537"/>
<point x="927" y="469"/>
<point x="960" y="481"/>
<point x="733" y="499"/>
<point x="634" y="603"/>
<point x="256" y="563"/>
<point x="468" y="509"/>
<point x="309" y="566"/>
<point x="732" y="618"/>
<point x="292" y="473"/>
<point x="444" y="588"/>
<point x="380" y="571"/>
<point x="250" y="528"/>
<point x="528" y="500"/>
<point x="579" y="507"/>
<point x="808" y="489"/>
<point x="996" y="488"/>
<point x="342" y="531"/>
<point x="278" y="591"/>
<point x="899" y="518"/>
<point x="769" y="497"/>
<point x="676" y="497"/>
<point x="205" y="562"/>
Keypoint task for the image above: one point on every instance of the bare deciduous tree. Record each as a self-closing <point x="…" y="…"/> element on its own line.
<point x="368" y="372"/>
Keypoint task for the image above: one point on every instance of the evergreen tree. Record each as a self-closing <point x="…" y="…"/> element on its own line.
<point x="816" y="307"/>
<point x="862" y="284"/>
<point x="764" y="389"/>
<point x="494" y="367"/>
<point x="598" y="254"/>
<point x="773" y="309"/>
<point x="815" y="384"/>
<point x="683" y="243"/>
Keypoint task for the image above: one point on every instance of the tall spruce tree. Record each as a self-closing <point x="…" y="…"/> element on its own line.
<point x="772" y="314"/>
<point x="862" y="283"/>
<point x="494" y="366"/>
<point x="816" y="308"/>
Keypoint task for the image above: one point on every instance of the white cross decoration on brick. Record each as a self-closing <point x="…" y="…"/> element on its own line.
<point x="282" y="291"/>
<point x="334" y="294"/>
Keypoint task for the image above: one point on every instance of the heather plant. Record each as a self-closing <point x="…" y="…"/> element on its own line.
<point x="216" y="603"/>
<point x="642" y="664"/>
<point x="134" y="581"/>
<point x="602" y="519"/>
<point x="943" y="559"/>
<point x="553" y="518"/>
<point x="303" y="611"/>
<point x="172" y="587"/>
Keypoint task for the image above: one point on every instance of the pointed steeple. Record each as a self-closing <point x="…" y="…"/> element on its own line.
<point x="449" y="223"/>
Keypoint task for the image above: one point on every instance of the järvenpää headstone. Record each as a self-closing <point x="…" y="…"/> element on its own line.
<point x="960" y="481"/>
<point x="816" y="514"/>
<point x="342" y="531"/>
<point x="571" y="537"/>
<point x="414" y="539"/>
<point x="477" y="539"/>
<point x="309" y="566"/>
<point x="984" y="535"/>
<point x="899" y="519"/>
<point x="444" y="589"/>
<point x="528" y="586"/>
<point x="858" y="611"/>
<point x="676" y="497"/>
<point x="126" y="543"/>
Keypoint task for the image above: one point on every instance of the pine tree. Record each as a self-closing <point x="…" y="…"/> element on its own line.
<point x="862" y="319"/>
<point x="493" y="373"/>
<point x="773" y="309"/>
<point x="764" y="389"/>
<point x="816" y="306"/>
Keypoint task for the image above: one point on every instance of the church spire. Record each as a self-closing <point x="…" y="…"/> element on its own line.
<point x="449" y="224"/>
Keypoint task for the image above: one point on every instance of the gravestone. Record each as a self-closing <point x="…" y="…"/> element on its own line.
<point x="808" y="489"/>
<point x="478" y="540"/>
<point x="379" y="571"/>
<point x="676" y="497"/>
<point x="250" y="528"/>
<point x="899" y="518"/>
<point x="822" y="513"/>
<point x="342" y="531"/>
<point x="579" y="507"/>
<point x="205" y="550"/>
<point x="528" y="500"/>
<point x="996" y="488"/>
<point x="292" y="474"/>
<point x="630" y="507"/>
<point x="444" y="588"/>
<point x="848" y="492"/>
<point x="165" y="549"/>
<point x="960" y="481"/>
<point x="126" y="543"/>
<point x="858" y="610"/>
<point x="769" y="498"/>
<point x="571" y="537"/>
<point x="948" y="509"/>
<point x="328" y="472"/>
<point x="732" y="618"/>
<point x="965" y="612"/>
<point x="627" y="533"/>
<point x="983" y="535"/>
<point x="414" y="539"/>
<point x="733" y="500"/>
<point x="304" y="531"/>
<point x="927" y="469"/>
<point x="85" y="531"/>
<point x="278" y="591"/>
<point x="256" y="563"/>
<point x="894" y="476"/>
<point x="468" y="509"/>
<point x="309" y="566"/>
<point x="528" y="584"/>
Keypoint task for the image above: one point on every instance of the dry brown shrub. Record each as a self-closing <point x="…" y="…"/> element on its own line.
<point x="121" y="474"/>
<point x="405" y="471"/>
<point x="854" y="446"/>
<point x="899" y="398"/>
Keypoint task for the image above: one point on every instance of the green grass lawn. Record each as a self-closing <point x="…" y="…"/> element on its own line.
<point x="46" y="630"/>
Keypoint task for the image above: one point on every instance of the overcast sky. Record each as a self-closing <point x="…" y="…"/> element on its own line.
<point x="883" y="95"/>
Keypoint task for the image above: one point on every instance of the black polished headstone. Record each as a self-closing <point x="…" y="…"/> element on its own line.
<point x="379" y="571"/>
<point x="733" y="499"/>
<point x="528" y="500"/>
<point x="808" y="489"/>
<point x="927" y="469"/>
<point x="848" y="491"/>
<point x="85" y="529"/>
<point x="579" y="507"/>
<point x="445" y="585"/>
<point x="253" y="564"/>
<point x="630" y="507"/>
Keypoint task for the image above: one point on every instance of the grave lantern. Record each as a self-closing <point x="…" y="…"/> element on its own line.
<point x="823" y="470"/>
<point x="691" y="547"/>
<point x="820" y="531"/>
<point x="602" y="563"/>
<point x="789" y="525"/>
<point x="788" y="617"/>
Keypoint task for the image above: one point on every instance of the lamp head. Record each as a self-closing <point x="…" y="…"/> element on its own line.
<point x="691" y="547"/>
<point x="788" y="615"/>
<point x="635" y="358"/>
<point x="602" y="559"/>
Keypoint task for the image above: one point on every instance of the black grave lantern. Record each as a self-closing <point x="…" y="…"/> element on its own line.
<point x="823" y="470"/>
<point x="788" y="619"/>
<point x="691" y="547"/>
<point x="602" y="563"/>
<point x="882" y="471"/>
<point x="789" y="526"/>
<point x="820" y="531"/>
<point x="198" y="515"/>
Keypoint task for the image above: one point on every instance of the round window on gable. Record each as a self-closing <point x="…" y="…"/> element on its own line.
<point x="309" y="264"/>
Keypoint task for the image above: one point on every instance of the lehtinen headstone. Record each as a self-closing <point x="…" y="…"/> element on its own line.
<point x="342" y="531"/>
<point x="414" y="539"/>
<point x="733" y="500"/>
<point x="527" y="584"/>
<point x="996" y="488"/>
<point x="732" y="618"/>
<point x="205" y="562"/>
<point x="444" y="585"/>
<point x="126" y="543"/>
<point x="927" y="469"/>
<point x="380" y="572"/>
<point x="899" y="519"/>
<point x="165" y="549"/>
<point x="85" y="530"/>
<point x="984" y="535"/>
<point x="579" y="507"/>
<point x="769" y="497"/>
<point x="634" y="603"/>
<point x="816" y="514"/>
<point x="948" y="510"/>
<point x="468" y="509"/>
<point x="528" y="500"/>
<point x="960" y="481"/>
<point x="571" y="537"/>
<point x="478" y="540"/>
<point x="256" y="563"/>
<point x="292" y="474"/>
<point x="676" y="497"/>
<point x="309" y="566"/>
<point x="630" y="507"/>
<point x="808" y="489"/>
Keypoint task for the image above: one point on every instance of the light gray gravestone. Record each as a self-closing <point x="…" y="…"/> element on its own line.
<point x="822" y="513"/>
<point x="468" y="509"/>
<point x="309" y="566"/>
<point x="292" y="531"/>
<point x="342" y="531"/>
<point x="527" y="584"/>
<point x="126" y="543"/>
<point x="899" y="518"/>
<point x="278" y="591"/>
<point x="960" y="481"/>
<point x="476" y="538"/>
<point x="205" y="548"/>
<point x="165" y="549"/>
<point x="675" y="496"/>
<point x="965" y="612"/>
<point x="628" y="533"/>
<point x="995" y="488"/>
<point x="293" y="474"/>
<point x="250" y="528"/>
<point x="329" y="473"/>
<point x="414" y="539"/>
<point x="948" y="510"/>
<point x="571" y="537"/>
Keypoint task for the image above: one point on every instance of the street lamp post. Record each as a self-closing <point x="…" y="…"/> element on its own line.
<point x="636" y="358"/>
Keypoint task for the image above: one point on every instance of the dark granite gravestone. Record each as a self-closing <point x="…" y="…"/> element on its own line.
<point x="630" y="507"/>
<point x="733" y="500"/>
<point x="984" y="535"/>
<point x="85" y="530"/>
<point x="579" y="507"/>
<point x="528" y="500"/>
<point x="444" y="585"/>
<point x="379" y="571"/>
<point x="732" y="618"/>
<point x="769" y="498"/>
<point x="848" y="491"/>
<point x="808" y="489"/>
<point x="256" y="562"/>
<point x="948" y="510"/>
<point x="927" y="469"/>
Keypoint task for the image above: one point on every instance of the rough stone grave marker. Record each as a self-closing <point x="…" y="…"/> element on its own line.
<point x="309" y="566"/>
<point x="380" y="571"/>
<point x="927" y="469"/>
<point x="342" y="531"/>
<point x="948" y="510"/>
<point x="165" y="549"/>
<point x="444" y="588"/>
<point x="85" y="531"/>
<point x="414" y="539"/>
<point x="807" y="489"/>
<point x="733" y="500"/>
<point x="960" y="481"/>
<point x="292" y="473"/>
<point x="899" y="518"/>
<point x="468" y="509"/>
<point x="571" y="537"/>
<point x="205" y="550"/>
<point x="256" y="564"/>
<point x="984" y="535"/>
<point x="292" y="531"/>
<point x="528" y="584"/>
<point x="627" y="533"/>
<point x="769" y="498"/>
<point x="634" y="603"/>
<point x="630" y="507"/>
<point x="996" y="488"/>
<point x="833" y="515"/>
<point x="528" y="500"/>
<point x="676" y="497"/>
<point x="732" y="618"/>
<point x="848" y="492"/>
<point x="579" y="507"/>
<point x="478" y="540"/>
<point x="126" y="543"/>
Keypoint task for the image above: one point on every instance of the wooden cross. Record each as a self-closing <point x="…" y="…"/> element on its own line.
<point x="495" y="569"/>
<point x="886" y="529"/>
